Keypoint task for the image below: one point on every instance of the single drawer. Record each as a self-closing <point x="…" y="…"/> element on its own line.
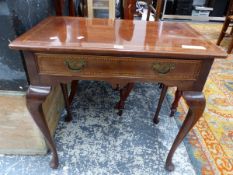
<point x="121" y="67"/>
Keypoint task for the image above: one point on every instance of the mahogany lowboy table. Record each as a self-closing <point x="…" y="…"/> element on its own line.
<point x="62" y="49"/>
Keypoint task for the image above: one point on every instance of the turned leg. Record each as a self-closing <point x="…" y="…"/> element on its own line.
<point x="34" y="99"/>
<point x="124" y="93"/>
<point x="175" y="103"/>
<point x="162" y="96"/>
<point x="196" y="102"/>
<point x="223" y="31"/>
<point x="68" y="117"/>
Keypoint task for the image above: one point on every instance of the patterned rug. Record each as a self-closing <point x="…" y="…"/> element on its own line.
<point x="210" y="143"/>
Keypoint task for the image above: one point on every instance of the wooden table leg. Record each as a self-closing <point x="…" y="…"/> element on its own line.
<point x="36" y="95"/>
<point x="196" y="102"/>
<point x="175" y="103"/>
<point x="162" y="96"/>
<point x="124" y="93"/>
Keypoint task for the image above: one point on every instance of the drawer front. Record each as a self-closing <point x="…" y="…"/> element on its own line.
<point x="121" y="67"/>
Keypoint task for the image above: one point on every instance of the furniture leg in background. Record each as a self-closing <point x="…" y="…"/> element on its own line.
<point x="69" y="98"/>
<point x="228" y="20"/>
<point x="64" y="88"/>
<point x="74" y="87"/>
<point x="175" y="103"/>
<point x="124" y="93"/>
<point x="157" y="11"/>
<point x="161" y="99"/>
<point x="59" y="6"/>
<point x="129" y="7"/>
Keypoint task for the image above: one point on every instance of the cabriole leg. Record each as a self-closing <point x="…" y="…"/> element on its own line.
<point x="36" y="95"/>
<point x="196" y="102"/>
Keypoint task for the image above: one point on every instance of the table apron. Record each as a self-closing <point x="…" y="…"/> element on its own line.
<point x="91" y="67"/>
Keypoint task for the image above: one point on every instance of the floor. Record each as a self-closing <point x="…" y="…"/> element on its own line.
<point x="99" y="142"/>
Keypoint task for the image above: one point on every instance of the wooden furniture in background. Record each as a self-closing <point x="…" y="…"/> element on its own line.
<point x="157" y="11"/>
<point x="59" y="6"/>
<point x="101" y="6"/>
<point x="168" y="58"/>
<point x="75" y="8"/>
<point x="87" y="8"/>
<point x="129" y="9"/>
<point x="228" y="20"/>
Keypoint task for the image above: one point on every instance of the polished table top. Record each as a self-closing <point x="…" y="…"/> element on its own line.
<point x="173" y="39"/>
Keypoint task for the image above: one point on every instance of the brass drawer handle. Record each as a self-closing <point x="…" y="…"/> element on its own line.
<point x="75" y="65"/>
<point x="163" y="68"/>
